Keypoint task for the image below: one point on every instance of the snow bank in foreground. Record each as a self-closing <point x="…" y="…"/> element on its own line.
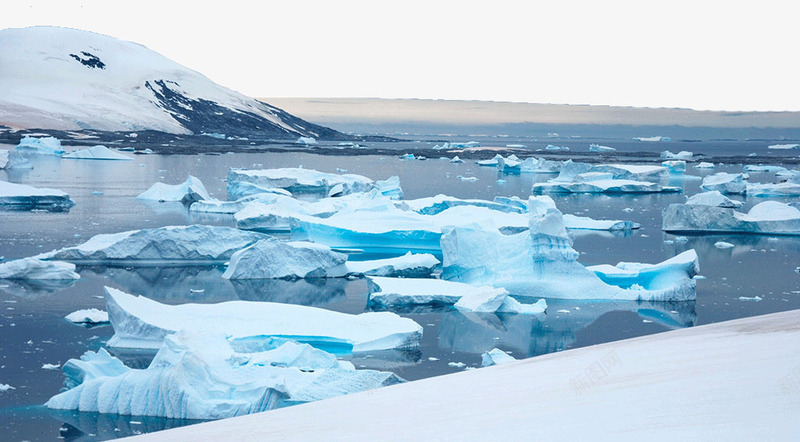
<point x="143" y="323"/>
<point x="197" y="376"/>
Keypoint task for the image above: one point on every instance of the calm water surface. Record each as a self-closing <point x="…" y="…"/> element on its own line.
<point x="33" y="331"/>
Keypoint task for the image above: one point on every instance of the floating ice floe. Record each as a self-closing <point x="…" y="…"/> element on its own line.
<point x="573" y="222"/>
<point x="88" y="316"/>
<point x="600" y="183"/>
<point x="713" y="198"/>
<point x="395" y="292"/>
<point x="675" y="167"/>
<point x="536" y="263"/>
<point x="723" y="245"/>
<point x="602" y="149"/>
<point x="409" y="265"/>
<point x="456" y="159"/>
<point x="270" y="258"/>
<point x="140" y="322"/>
<point x="189" y="191"/>
<point x="784" y="146"/>
<point x="241" y="189"/>
<point x="232" y="207"/>
<point x="553" y="147"/>
<point x="704" y="165"/>
<point x="439" y="203"/>
<point x="769" y="217"/>
<point x="682" y="155"/>
<point x="298" y="180"/>
<point x="36" y="269"/>
<point x="763" y="168"/>
<point x="724" y="182"/>
<point x="491" y="162"/>
<point x="182" y="245"/>
<point x="306" y="140"/>
<point x="466" y="145"/>
<point x="40" y="146"/>
<point x="207" y="377"/>
<point x="496" y="356"/>
<point x="785" y="189"/>
<point x="751" y="298"/>
<point x="24" y="197"/>
<point x="652" y="139"/>
<point x="96" y="153"/>
<point x="6" y="387"/>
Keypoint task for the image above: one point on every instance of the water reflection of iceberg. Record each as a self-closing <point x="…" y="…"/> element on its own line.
<point x="97" y="426"/>
<point x="171" y="285"/>
<point x="531" y="335"/>
<point x="34" y="288"/>
<point x="307" y="291"/>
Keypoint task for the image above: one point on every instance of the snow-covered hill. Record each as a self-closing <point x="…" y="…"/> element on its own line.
<point x="67" y="79"/>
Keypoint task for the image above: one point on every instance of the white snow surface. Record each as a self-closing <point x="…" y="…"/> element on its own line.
<point x="88" y="316"/>
<point x="36" y="269"/>
<point x="196" y="376"/>
<point x="37" y="67"/>
<point x="140" y="322"/>
<point x="189" y="191"/>
<point x="595" y="392"/>
<point x="96" y="153"/>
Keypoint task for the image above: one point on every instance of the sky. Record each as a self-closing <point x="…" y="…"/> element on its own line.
<point x="708" y="55"/>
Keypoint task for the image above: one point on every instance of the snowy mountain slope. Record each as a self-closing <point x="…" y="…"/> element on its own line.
<point x="67" y="79"/>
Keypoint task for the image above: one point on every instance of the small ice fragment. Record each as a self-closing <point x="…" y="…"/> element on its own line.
<point x="723" y="245"/>
<point x="496" y="357"/>
<point x="97" y="192"/>
<point x="457" y="364"/>
<point x="6" y="387"/>
<point x="88" y="316"/>
<point x="681" y="239"/>
<point x="698" y="277"/>
<point x="433" y="359"/>
<point x="646" y="321"/>
<point x="197" y="290"/>
<point x="51" y="366"/>
<point x="562" y="311"/>
<point x="467" y="178"/>
<point x="627" y="209"/>
<point x="754" y="298"/>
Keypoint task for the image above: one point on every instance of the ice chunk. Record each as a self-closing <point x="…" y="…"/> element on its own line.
<point x="185" y="245"/>
<point x="723" y="245"/>
<point x="704" y="165"/>
<point x="189" y="191"/>
<point x="437" y="204"/>
<point x="585" y="223"/>
<point x="754" y="298"/>
<point x="601" y="186"/>
<point x="763" y="168"/>
<point x="496" y="356"/>
<point x="142" y="323"/>
<point x="443" y="146"/>
<point x="5" y="387"/>
<point x="389" y="292"/>
<point x="511" y="305"/>
<point x="50" y="366"/>
<point x="36" y="269"/>
<point x="456" y="159"/>
<point x="92" y="365"/>
<point x="540" y="165"/>
<point x="784" y="146"/>
<point x="206" y="377"/>
<point x="96" y="153"/>
<point x="88" y="316"/>
<point x="491" y="300"/>
<point x="306" y="140"/>
<point x="769" y="217"/>
<point x="676" y="167"/>
<point x="491" y="162"/>
<point x="713" y="198"/>
<point x="682" y="155"/>
<point x="599" y="148"/>
<point x="406" y="266"/>
<point x="297" y="180"/>
<point x="390" y="187"/>
<point x="556" y="148"/>
<point x="669" y="280"/>
<point x="240" y="189"/>
<point x="466" y="145"/>
<point x="630" y="171"/>
<point x="24" y="197"/>
<point x="39" y="146"/>
<point x="785" y="189"/>
<point x="651" y="139"/>
<point x="232" y="207"/>
<point x="725" y="183"/>
<point x="270" y="258"/>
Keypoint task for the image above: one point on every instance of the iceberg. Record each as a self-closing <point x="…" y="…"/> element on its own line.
<point x="602" y="149"/>
<point x="241" y="189"/>
<point x="784" y="146"/>
<point x="298" y="180"/>
<point x="652" y="139"/>
<point x="724" y="182"/>
<point x="189" y="191"/>
<point x="410" y="265"/>
<point x="763" y="168"/>
<point x="195" y="376"/>
<point x="39" y="146"/>
<point x="658" y="280"/>
<point x="12" y="159"/>
<point x="466" y="145"/>
<point x="306" y="140"/>
<point x="232" y="207"/>
<point x="785" y="189"/>
<point x="496" y="356"/>
<point x="456" y="159"/>
<point x="87" y="316"/>
<point x="491" y="162"/>
<point x="769" y="217"/>
<point x="573" y="222"/>
<point x="182" y="245"/>
<point x="556" y="148"/>
<point x="23" y="197"/>
<point x="511" y="164"/>
<point x="489" y="300"/>
<point x="713" y="198"/>
<point x="439" y="203"/>
<point x="270" y="258"/>
<point x="675" y="167"/>
<point x="96" y="153"/>
<point x="682" y="155"/>
<point x="631" y="171"/>
<point x="540" y="165"/>
<point x="601" y="186"/>
<point x="143" y="323"/>
<point x="704" y="165"/>
<point x="536" y="262"/>
<point x="390" y="187"/>
<point x="36" y="269"/>
<point x="723" y="245"/>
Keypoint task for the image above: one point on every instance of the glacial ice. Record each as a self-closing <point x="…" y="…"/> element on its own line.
<point x="601" y="186"/>
<point x="635" y="172"/>
<point x="496" y="300"/>
<point x="96" y="153"/>
<point x="682" y="155"/>
<point x="676" y="167"/>
<point x="713" y="198"/>
<point x="577" y="177"/>
<point x="25" y="197"/>
<point x="491" y="162"/>
<point x="769" y="217"/>
<point x="784" y="146"/>
<point x="390" y="187"/>
<point x="409" y="265"/>
<point x="88" y="316"/>
<point x="306" y="140"/>
<point x="496" y="356"/>
<point x="704" y="165"/>
<point x="298" y="180"/>
<point x="658" y="280"/>
<point x="184" y="245"/>
<point x="763" y="168"/>
<point x="36" y="269"/>
<point x="724" y="182"/>
<point x="785" y="189"/>
<point x="573" y="222"/>
<point x="143" y="323"/>
<point x="723" y="245"/>
<point x="456" y="159"/>
<point x="270" y="258"/>
<point x="556" y="148"/>
<point x="241" y="189"/>
<point x="602" y="149"/>
<point x="537" y="262"/>
<point x="189" y="191"/>
<point x="197" y="376"/>
<point x="39" y="146"/>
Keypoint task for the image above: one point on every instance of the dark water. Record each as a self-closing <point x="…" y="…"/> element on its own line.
<point x="33" y="331"/>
